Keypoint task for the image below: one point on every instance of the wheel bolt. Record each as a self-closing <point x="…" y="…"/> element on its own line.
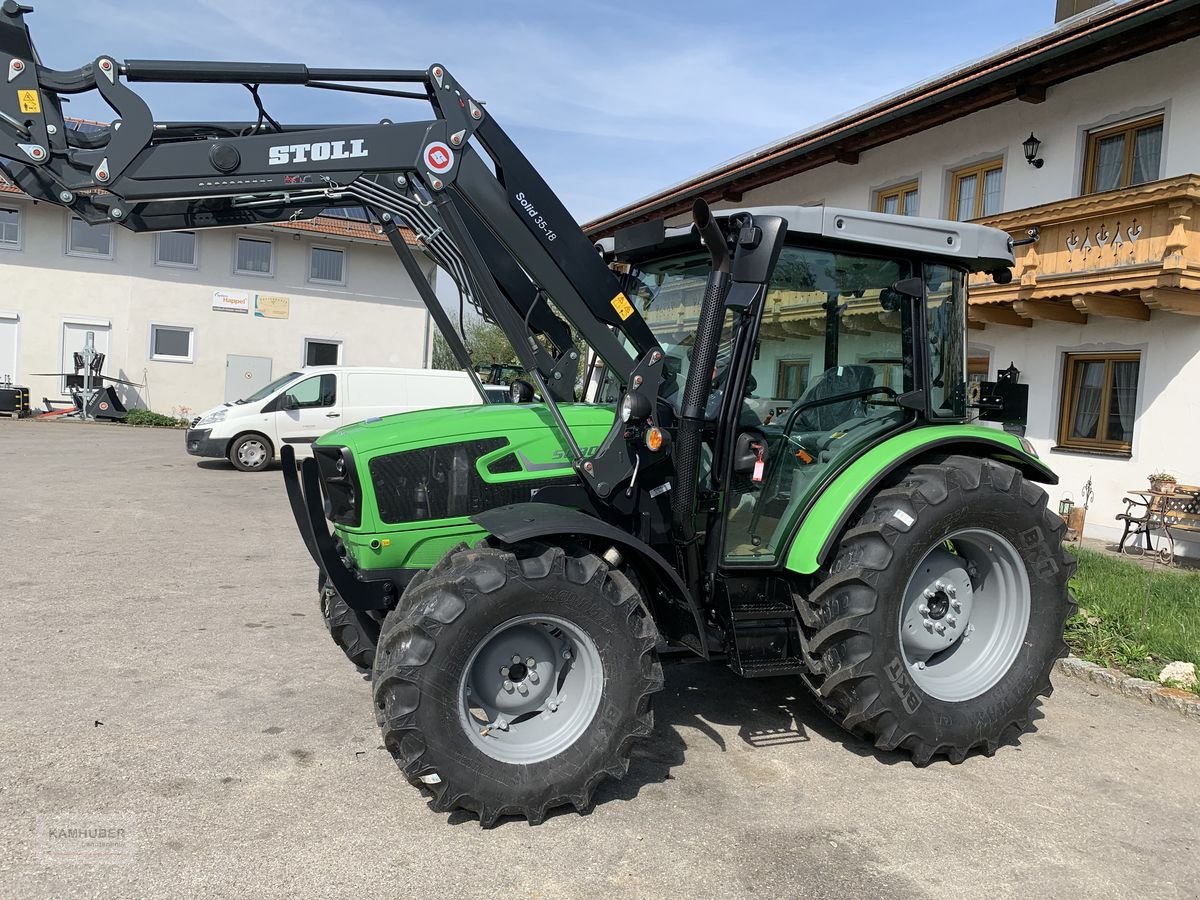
<point x="502" y="724"/>
<point x="952" y="622"/>
<point x="504" y="671"/>
<point x="508" y="686"/>
<point x="567" y="653"/>
<point x="516" y="659"/>
<point x="522" y="689"/>
<point x="920" y="665"/>
<point x="956" y="605"/>
<point x="530" y="662"/>
<point x="923" y="609"/>
<point x="929" y="593"/>
<point x="939" y="628"/>
<point x="951" y="591"/>
<point x="928" y="625"/>
<point x="533" y="676"/>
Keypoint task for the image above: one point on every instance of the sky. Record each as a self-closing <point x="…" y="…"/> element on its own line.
<point x="611" y="101"/>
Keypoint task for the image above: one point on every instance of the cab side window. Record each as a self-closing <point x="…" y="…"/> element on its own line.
<point x="312" y="393"/>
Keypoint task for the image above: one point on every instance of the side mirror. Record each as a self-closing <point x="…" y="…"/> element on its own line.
<point x="522" y="391"/>
<point x="290" y="402"/>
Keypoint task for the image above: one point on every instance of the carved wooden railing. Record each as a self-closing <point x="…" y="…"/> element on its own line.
<point x="1119" y="253"/>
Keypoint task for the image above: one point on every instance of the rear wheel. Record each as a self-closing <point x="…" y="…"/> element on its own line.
<point x="943" y="611"/>
<point x="514" y="681"/>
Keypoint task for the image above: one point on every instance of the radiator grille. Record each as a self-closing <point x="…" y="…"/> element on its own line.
<point x="442" y="482"/>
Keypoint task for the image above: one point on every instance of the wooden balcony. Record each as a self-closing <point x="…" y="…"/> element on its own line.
<point x="1118" y="254"/>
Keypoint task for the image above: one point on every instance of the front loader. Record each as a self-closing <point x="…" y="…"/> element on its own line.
<point x="775" y="465"/>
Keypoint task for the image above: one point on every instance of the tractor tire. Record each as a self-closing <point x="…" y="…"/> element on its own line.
<point x="942" y="614"/>
<point x="355" y="633"/>
<point x="514" y="680"/>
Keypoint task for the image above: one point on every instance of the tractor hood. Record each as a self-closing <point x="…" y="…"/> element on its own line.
<point x="529" y="427"/>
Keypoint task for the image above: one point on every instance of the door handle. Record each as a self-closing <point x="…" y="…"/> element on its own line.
<point x="333" y="415"/>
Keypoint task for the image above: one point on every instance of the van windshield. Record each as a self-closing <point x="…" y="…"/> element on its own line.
<point x="265" y="392"/>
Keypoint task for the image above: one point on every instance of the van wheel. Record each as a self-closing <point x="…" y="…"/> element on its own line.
<point x="251" y="453"/>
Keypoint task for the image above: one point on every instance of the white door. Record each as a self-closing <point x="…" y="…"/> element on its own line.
<point x="308" y="409"/>
<point x="74" y="337"/>
<point x="9" y="326"/>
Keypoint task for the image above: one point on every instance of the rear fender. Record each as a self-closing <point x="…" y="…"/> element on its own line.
<point x="828" y="516"/>
<point x="528" y="521"/>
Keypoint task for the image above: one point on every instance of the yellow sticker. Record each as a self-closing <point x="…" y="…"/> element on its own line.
<point x="30" y="102"/>
<point x="622" y="305"/>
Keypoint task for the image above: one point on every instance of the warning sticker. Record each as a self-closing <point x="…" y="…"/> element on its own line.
<point x="622" y="305"/>
<point x="30" y="101"/>
<point x="439" y="158"/>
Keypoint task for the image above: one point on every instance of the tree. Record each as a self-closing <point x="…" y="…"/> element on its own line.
<point x="484" y="341"/>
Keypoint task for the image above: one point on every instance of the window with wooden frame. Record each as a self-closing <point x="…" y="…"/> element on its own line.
<point x="792" y="378"/>
<point x="976" y="191"/>
<point x="1099" y="403"/>
<point x="1122" y="156"/>
<point x="978" y="364"/>
<point x="901" y="199"/>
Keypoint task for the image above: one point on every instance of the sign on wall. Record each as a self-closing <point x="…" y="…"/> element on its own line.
<point x="231" y="301"/>
<point x="272" y="306"/>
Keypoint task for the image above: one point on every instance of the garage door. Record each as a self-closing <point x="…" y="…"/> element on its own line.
<point x="9" y="325"/>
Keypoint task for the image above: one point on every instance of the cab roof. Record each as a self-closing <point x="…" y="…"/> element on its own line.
<point x="977" y="248"/>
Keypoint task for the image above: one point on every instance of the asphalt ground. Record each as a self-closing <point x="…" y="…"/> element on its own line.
<point x="175" y="722"/>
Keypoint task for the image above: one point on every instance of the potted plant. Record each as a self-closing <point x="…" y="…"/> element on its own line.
<point x="1162" y="482"/>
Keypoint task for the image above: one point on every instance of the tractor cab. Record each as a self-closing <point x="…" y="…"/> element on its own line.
<point x="860" y="335"/>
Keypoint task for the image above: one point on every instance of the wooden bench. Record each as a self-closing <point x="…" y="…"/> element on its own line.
<point x="1169" y="513"/>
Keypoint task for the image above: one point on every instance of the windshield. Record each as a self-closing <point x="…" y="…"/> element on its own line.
<point x="668" y="293"/>
<point x="265" y="392"/>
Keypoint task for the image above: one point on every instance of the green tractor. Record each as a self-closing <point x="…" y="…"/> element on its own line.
<point x="771" y="462"/>
<point x="817" y="506"/>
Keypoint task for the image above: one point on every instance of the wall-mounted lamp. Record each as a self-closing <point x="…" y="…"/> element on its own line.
<point x="1031" y="145"/>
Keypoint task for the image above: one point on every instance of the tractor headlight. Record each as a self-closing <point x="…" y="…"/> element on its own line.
<point x="634" y="406"/>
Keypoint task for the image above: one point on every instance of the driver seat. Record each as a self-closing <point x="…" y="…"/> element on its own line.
<point x="831" y="383"/>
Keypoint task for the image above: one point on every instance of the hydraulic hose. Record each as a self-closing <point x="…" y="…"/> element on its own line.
<point x="699" y="378"/>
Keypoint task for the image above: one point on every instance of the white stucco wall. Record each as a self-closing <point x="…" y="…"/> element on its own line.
<point x="377" y="315"/>
<point x="1167" y="428"/>
<point x="1165" y="81"/>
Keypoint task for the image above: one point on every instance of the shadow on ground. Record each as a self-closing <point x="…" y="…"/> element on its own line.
<point x="767" y="712"/>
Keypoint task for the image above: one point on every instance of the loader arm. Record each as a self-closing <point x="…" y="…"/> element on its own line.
<point x="476" y="204"/>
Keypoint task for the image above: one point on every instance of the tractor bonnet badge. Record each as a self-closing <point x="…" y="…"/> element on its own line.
<point x="439" y="158"/>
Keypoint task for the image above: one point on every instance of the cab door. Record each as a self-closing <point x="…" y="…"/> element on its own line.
<point x="309" y="408"/>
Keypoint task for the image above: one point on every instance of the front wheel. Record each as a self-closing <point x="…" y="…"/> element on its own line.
<point x="251" y="453"/>
<point x="943" y="611"/>
<point x="354" y="632"/>
<point x="514" y="681"/>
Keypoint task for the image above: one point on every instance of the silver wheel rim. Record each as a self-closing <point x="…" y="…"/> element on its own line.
<point x="252" y="453"/>
<point x="531" y="687"/>
<point x="964" y="615"/>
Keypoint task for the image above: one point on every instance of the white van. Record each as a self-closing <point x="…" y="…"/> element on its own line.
<point x="302" y="405"/>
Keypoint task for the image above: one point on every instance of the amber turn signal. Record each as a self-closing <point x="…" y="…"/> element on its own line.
<point x="656" y="439"/>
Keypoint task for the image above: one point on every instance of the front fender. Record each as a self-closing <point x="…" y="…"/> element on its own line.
<point x="527" y="521"/>
<point x="828" y="516"/>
